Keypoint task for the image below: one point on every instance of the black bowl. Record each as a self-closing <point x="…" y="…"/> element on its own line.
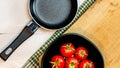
<point x="77" y="40"/>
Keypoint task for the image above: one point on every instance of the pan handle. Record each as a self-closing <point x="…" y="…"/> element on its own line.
<point x="26" y="33"/>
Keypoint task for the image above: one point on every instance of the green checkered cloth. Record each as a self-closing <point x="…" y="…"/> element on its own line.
<point x="33" y="61"/>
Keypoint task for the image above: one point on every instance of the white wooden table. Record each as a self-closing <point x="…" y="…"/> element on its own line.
<point x="14" y="15"/>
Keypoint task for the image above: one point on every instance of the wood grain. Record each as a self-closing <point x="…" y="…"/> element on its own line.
<point x="101" y="25"/>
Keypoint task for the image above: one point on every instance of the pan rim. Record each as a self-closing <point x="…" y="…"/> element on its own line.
<point x="38" y="22"/>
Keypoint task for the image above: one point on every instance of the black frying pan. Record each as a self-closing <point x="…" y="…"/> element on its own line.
<point x="50" y="14"/>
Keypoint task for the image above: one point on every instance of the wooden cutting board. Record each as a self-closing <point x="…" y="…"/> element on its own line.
<point x="101" y="25"/>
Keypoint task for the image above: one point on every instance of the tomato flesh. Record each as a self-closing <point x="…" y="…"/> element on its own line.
<point x="57" y="61"/>
<point x="81" y="53"/>
<point x="86" y="64"/>
<point x="67" y="49"/>
<point x="71" y="62"/>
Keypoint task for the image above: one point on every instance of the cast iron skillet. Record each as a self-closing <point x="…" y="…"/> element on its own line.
<point x="50" y="14"/>
<point x="54" y="49"/>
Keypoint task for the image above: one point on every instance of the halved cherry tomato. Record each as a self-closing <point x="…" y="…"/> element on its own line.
<point x="72" y="62"/>
<point x="86" y="64"/>
<point x="81" y="53"/>
<point x="67" y="49"/>
<point x="57" y="61"/>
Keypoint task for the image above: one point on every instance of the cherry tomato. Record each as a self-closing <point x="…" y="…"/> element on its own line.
<point x="81" y="53"/>
<point x="71" y="62"/>
<point x="86" y="64"/>
<point x="57" y="61"/>
<point x="67" y="49"/>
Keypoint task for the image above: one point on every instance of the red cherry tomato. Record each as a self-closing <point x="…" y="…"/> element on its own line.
<point x="57" y="61"/>
<point x="86" y="64"/>
<point x="81" y="53"/>
<point x="67" y="49"/>
<point x="71" y="62"/>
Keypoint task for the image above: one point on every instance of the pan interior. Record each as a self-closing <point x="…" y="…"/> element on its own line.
<point x="52" y="12"/>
